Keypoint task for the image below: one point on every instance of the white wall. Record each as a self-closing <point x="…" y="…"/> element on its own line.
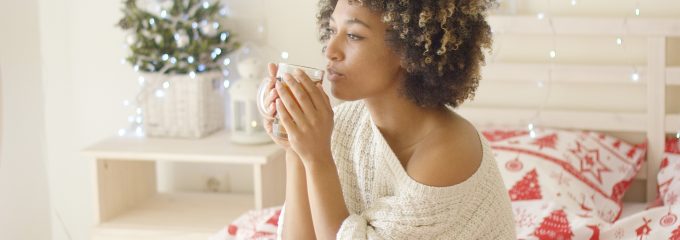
<point x="24" y="200"/>
<point x="85" y="85"/>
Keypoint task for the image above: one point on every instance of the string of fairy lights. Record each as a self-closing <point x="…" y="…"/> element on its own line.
<point x="552" y="56"/>
<point x="136" y="119"/>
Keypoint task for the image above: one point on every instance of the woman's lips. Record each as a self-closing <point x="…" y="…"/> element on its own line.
<point x="333" y="75"/>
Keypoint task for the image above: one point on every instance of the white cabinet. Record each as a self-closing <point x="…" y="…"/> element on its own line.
<point x="127" y="204"/>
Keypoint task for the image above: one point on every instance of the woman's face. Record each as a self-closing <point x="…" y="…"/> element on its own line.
<point x="360" y="64"/>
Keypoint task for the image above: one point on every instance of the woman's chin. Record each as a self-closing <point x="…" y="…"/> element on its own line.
<point x="341" y="95"/>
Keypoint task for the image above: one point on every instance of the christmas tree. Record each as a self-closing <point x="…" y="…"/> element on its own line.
<point x="500" y="135"/>
<point x="555" y="226"/>
<point x="547" y="141"/>
<point x="527" y="188"/>
<point x="176" y="36"/>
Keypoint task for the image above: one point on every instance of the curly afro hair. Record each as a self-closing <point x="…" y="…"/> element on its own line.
<point x="441" y="43"/>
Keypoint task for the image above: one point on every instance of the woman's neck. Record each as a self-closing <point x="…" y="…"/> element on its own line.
<point x="402" y="122"/>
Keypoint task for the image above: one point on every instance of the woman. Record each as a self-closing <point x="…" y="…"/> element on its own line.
<point x="394" y="162"/>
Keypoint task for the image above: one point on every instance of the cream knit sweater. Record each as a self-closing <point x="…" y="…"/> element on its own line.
<point x="385" y="203"/>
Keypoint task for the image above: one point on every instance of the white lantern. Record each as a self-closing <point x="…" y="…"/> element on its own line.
<point x="246" y="121"/>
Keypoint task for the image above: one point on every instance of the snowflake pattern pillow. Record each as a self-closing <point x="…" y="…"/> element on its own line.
<point x="586" y="173"/>
<point x="669" y="173"/>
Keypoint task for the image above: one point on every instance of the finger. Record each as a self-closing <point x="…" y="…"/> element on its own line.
<point x="303" y="99"/>
<point x="271" y="110"/>
<point x="271" y="96"/>
<point x="309" y="87"/>
<point x="285" y="117"/>
<point x="325" y="97"/>
<point x="288" y="100"/>
<point x="272" y="69"/>
<point x="268" y="102"/>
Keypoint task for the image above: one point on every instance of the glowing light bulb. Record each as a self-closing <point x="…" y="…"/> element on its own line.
<point x="637" y="11"/>
<point x="253" y="124"/>
<point x="192" y="74"/>
<point x="619" y="41"/>
<point x="160" y="93"/>
<point x="635" y="77"/>
<point x="540" y="16"/>
<point x="226" y="61"/>
<point x="284" y="55"/>
<point x="226" y="83"/>
<point x="166" y="84"/>
<point x="553" y="54"/>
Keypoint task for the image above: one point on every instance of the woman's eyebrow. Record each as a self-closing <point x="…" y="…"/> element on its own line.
<point x="354" y="21"/>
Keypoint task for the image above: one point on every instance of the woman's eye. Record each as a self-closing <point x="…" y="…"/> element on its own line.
<point x="354" y="37"/>
<point x="330" y="31"/>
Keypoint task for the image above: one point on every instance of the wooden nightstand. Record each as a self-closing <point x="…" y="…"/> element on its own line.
<point x="128" y="206"/>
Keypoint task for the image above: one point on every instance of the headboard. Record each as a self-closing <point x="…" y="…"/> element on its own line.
<point x="654" y="76"/>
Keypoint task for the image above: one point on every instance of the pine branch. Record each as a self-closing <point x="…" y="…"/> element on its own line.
<point x="184" y="32"/>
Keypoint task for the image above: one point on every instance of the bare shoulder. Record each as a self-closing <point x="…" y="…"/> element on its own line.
<point x="448" y="156"/>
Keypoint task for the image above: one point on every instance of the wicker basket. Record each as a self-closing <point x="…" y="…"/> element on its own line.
<point x="181" y="106"/>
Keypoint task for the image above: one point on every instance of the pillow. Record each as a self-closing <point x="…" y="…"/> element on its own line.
<point x="585" y="173"/>
<point x="254" y="224"/>
<point x="668" y="181"/>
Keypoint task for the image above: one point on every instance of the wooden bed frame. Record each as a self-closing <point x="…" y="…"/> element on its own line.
<point x="655" y="123"/>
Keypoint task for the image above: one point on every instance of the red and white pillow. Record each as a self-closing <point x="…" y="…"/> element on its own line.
<point x="582" y="172"/>
<point x="669" y="174"/>
<point x="254" y="224"/>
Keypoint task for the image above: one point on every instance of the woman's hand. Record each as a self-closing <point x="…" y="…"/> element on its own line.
<point x="306" y="113"/>
<point x="270" y="103"/>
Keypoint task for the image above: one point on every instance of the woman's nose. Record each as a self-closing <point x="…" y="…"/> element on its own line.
<point x="333" y="49"/>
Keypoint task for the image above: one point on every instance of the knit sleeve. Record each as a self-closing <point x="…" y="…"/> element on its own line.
<point x="400" y="218"/>
<point x="453" y="217"/>
<point x="406" y="218"/>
